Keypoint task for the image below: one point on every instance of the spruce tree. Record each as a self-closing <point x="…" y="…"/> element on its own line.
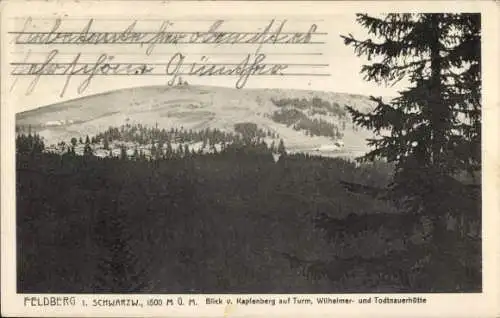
<point x="273" y="146"/>
<point x="169" y="151"/>
<point x="87" y="150"/>
<point x="433" y="128"/>
<point x="106" y="143"/>
<point x="159" y="151"/>
<point x="123" y="153"/>
<point x="180" y="151"/>
<point x="429" y="132"/>
<point x="281" y="148"/>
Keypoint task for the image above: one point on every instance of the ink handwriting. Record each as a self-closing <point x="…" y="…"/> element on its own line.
<point x="250" y="65"/>
<point x="252" y="62"/>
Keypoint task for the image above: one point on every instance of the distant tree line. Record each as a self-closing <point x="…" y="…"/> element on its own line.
<point x="299" y="121"/>
<point x="250" y="131"/>
<point x="316" y="105"/>
<point x="144" y="135"/>
<point x="173" y="143"/>
<point x="29" y="144"/>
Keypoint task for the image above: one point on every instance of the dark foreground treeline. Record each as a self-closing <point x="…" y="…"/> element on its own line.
<point x="233" y="222"/>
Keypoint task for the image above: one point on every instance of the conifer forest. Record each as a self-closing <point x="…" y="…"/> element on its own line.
<point x="149" y="209"/>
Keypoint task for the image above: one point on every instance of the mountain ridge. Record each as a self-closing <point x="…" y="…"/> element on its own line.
<point x="199" y="107"/>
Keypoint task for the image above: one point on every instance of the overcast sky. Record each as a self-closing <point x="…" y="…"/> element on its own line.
<point x="344" y="65"/>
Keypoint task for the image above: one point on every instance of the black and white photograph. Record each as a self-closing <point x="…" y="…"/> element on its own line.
<point x="194" y="188"/>
<point x="274" y="155"/>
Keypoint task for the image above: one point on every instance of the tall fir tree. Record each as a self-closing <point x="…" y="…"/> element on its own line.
<point x="169" y="151"/>
<point x="281" y="147"/>
<point x="87" y="149"/>
<point x="153" y="150"/>
<point x="273" y="146"/>
<point x="433" y="128"/>
<point x="106" y="143"/>
<point x="429" y="132"/>
<point x="123" y="152"/>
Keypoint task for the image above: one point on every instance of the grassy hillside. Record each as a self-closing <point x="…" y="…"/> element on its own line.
<point x="197" y="108"/>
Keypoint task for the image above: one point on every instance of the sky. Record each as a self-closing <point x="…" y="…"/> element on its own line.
<point x="344" y="66"/>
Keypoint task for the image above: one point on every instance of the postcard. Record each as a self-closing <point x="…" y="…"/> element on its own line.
<point x="240" y="158"/>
